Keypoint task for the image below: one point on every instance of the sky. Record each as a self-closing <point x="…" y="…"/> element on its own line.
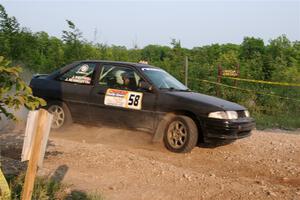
<point x="194" y="23"/>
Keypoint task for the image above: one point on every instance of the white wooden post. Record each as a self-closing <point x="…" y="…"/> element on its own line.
<point x="35" y="142"/>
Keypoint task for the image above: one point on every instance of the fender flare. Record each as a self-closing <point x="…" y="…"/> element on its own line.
<point x="163" y="120"/>
<point x="160" y="130"/>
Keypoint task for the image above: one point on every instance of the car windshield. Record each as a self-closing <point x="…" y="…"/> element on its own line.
<point x="163" y="80"/>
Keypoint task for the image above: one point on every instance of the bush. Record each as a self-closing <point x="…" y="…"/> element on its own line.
<point x="48" y="189"/>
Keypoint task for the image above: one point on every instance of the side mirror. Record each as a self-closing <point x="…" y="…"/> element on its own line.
<point x="145" y="86"/>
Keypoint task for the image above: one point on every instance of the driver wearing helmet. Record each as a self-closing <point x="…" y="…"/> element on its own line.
<point x="128" y="81"/>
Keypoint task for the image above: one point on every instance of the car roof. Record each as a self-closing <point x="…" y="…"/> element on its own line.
<point x="137" y="65"/>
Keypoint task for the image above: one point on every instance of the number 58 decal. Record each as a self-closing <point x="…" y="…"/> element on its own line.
<point x="123" y="98"/>
<point x="134" y="100"/>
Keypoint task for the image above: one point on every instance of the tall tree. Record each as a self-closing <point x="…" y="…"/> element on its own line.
<point x="9" y="29"/>
<point x="73" y="40"/>
<point x="251" y="46"/>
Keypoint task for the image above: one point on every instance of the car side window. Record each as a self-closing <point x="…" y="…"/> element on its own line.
<point x="82" y="74"/>
<point x="117" y="77"/>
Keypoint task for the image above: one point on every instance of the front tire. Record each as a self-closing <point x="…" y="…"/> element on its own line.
<point x="61" y="115"/>
<point x="181" y="134"/>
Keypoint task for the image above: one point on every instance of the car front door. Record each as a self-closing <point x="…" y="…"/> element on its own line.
<point x="117" y="98"/>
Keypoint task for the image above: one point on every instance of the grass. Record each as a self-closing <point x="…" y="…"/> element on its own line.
<point x="48" y="189"/>
<point x="286" y="122"/>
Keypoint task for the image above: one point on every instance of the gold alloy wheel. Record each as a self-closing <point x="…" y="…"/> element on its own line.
<point x="177" y="134"/>
<point x="58" y="116"/>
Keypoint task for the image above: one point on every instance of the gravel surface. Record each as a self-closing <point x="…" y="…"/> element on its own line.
<point x="124" y="164"/>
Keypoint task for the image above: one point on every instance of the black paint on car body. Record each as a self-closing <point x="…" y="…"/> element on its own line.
<point x="95" y="92"/>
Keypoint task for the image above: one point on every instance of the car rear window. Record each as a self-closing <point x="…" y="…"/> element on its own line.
<point x="81" y="74"/>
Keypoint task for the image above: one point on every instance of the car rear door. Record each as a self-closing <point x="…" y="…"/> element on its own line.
<point x="75" y="86"/>
<point x="113" y="102"/>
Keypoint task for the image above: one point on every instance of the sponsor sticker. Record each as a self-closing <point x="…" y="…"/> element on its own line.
<point x="123" y="98"/>
<point x="79" y="79"/>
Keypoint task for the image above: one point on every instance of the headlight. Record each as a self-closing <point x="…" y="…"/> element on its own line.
<point x="232" y="114"/>
<point x="223" y="115"/>
<point x="218" y="115"/>
<point x="247" y="113"/>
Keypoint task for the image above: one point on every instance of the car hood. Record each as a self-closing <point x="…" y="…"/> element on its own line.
<point x="207" y="100"/>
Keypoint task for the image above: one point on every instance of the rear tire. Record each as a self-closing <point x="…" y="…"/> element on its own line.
<point x="61" y="115"/>
<point x="181" y="134"/>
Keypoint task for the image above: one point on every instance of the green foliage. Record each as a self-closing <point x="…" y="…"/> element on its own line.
<point x="44" y="189"/>
<point x="73" y="47"/>
<point x="229" y="59"/>
<point x="9" y="29"/>
<point x="14" y="92"/>
<point x="49" y="189"/>
<point x="251" y="47"/>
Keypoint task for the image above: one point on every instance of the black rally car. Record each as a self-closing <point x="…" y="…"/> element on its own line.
<point x="139" y="96"/>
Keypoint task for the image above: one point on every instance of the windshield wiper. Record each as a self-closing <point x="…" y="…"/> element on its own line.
<point x="183" y="90"/>
<point x="174" y="89"/>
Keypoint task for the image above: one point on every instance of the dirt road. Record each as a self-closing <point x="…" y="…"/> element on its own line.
<point x="123" y="164"/>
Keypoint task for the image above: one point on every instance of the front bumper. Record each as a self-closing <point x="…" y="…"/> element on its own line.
<point x="227" y="129"/>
